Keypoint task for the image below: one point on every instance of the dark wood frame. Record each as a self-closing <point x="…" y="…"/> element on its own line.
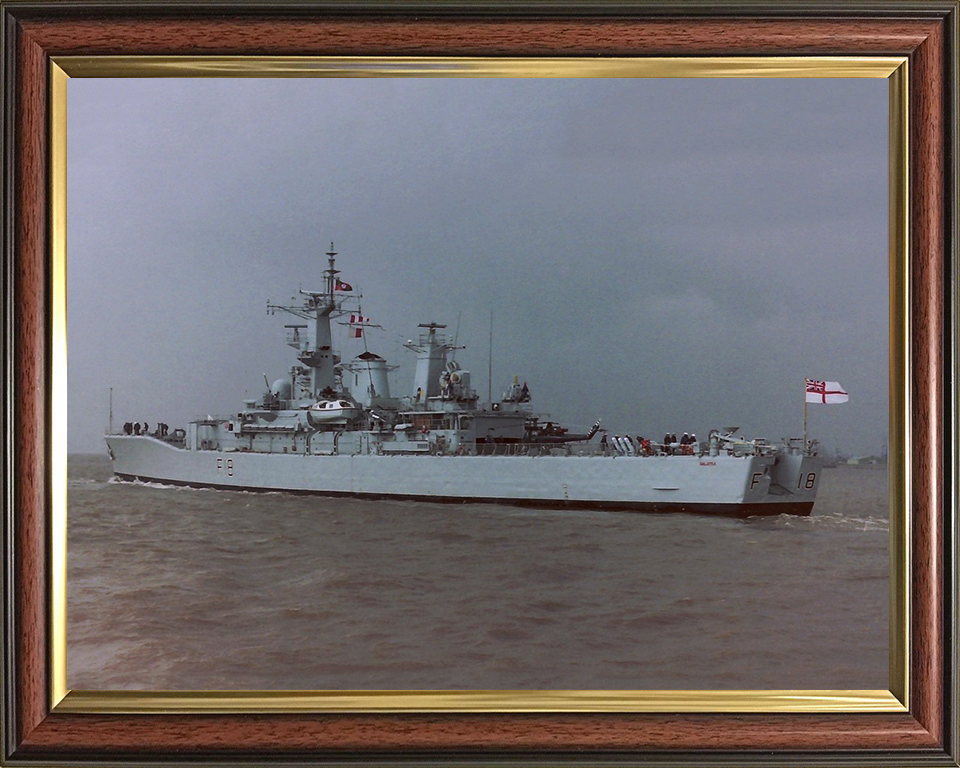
<point x="926" y="32"/>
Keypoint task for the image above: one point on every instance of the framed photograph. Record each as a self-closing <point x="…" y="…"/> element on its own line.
<point x="725" y="188"/>
<point x="452" y="479"/>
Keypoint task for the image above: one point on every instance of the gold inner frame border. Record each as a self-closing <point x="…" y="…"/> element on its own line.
<point x="894" y="69"/>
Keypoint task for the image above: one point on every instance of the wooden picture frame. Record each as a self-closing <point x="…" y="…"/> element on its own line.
<point x="38" y="732"/>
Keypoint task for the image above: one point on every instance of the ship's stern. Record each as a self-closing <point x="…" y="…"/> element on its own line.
<point x="794" y="479"/>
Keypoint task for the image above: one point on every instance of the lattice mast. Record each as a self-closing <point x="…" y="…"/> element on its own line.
<point x="313" y="339"/>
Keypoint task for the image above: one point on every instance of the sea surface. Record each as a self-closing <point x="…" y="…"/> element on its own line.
<point x="172" y="588"/>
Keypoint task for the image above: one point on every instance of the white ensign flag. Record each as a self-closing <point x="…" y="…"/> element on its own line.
<point x="825" y="392"/>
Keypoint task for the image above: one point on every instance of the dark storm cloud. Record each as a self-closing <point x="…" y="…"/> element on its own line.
<point x="666" y="254"/>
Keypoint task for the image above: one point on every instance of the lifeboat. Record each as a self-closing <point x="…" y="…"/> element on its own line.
<point x="332" y="412"/>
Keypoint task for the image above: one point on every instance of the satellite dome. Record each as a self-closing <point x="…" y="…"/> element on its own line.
<point x="281" y="388"/>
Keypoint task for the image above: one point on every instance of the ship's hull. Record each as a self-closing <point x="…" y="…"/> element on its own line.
<point x="726" y="485"/>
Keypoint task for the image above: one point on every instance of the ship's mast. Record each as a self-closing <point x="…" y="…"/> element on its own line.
<point x="313" y="341"/>
<point x="490" y="362"/>
<point x="431" y="349"/>
<point x="331" y="273"/>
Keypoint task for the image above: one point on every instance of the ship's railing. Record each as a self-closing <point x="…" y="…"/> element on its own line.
<point x="299" y="341"/>
<point x="693" y="450"/>
<point x="575" y="448"/>
<point x="797" y="445"/>
<point x="176" y="437"/>
<point x="521" y="449"/>
<point x="654" y="449"/>
<point x="741" y="447"/>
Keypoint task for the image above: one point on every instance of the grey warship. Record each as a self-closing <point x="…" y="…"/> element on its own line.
<point x="332" y="427"/>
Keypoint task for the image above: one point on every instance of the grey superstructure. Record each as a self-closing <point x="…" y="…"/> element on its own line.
<point x="332" y="427"/>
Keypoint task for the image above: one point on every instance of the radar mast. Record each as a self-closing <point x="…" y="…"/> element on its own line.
<point x="312" y="340"/>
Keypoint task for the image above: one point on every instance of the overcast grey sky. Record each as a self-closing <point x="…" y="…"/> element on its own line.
<point x="669" y="255"/>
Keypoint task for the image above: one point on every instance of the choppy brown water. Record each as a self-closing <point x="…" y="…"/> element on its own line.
<point x="173" y="588"/>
